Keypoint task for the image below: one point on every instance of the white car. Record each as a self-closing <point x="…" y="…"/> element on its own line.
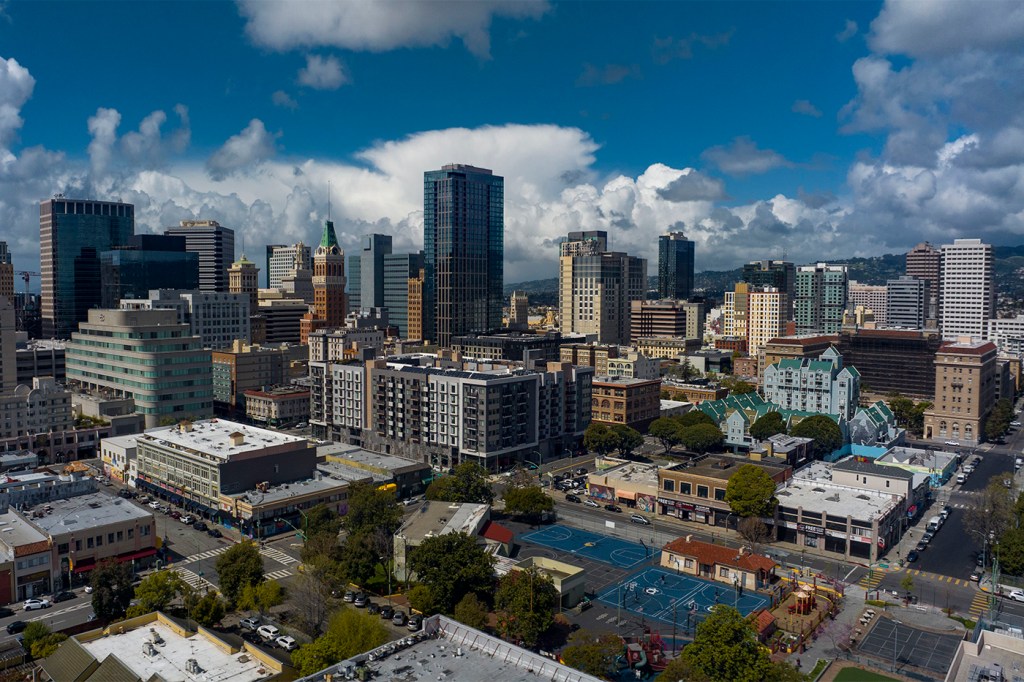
<point x="88" y="589"/>
<point x="287" y="643"/>
<point x="33" y="604"/>
<point x="154" y="505"/>
<point x="1016" y="595"/>
<point x="954" y="443"/>
<point x="268" y="633"/>
<point x="1014" y="423"/>
<point x="590" y="503"/>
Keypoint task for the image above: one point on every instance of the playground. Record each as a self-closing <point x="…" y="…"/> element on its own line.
<point x="663" y="595"/>
<point x="614" y="551"/>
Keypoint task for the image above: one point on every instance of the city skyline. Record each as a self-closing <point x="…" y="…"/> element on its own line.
<point x="864" y="135"/>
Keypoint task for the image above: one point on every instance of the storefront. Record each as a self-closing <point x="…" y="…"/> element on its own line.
<point x="685" y="510"/>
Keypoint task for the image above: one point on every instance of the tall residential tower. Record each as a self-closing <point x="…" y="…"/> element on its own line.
<point x="215" y="245"/>
<point x="968" y="297"/>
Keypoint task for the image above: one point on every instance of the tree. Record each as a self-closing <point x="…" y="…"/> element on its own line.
<point x="694" y="418"/>
<point x="529" y="501"/>
<point x="600" y="439"/>
<point x="629" y="439"/>
<point x="209" y="609"/>
<point x="112" y="589"/>
<point x="322" y="520"/>
<point x="907" y="583"/>
<point x="681" y="669"/>
<point x="34" y="631"/>
<point x="239" y="566"/>
<point x="471" y="611"/>
<point x="524" y="602"/>
<point x="322" y="546"/>
<point x="453" y="565"/>
<point x="1011" y="551"/>
<point x="768" y="425"/>
<point x="39" y="641"/>
<point x="422" y="598"/>
<point x="725" y="647"/>
<point x="754" y="530"/>
<point x="360" y="556"/>
<point x="736" y="385"/>
<point x="467" y="484"/>
<point x="989" y="514"/>
<point x="998" y="422"/>
<point x="156" y="592"/>
<point x="751" y="491"/>
<point x="592" y="653"/>
<point x="370" y="508"/>
<point x="261" y="596"/>
<point x="823" y="430"/>
<point x="666" y="430"/>
<point x="702" y="438"/>
<point x="310" y="594"/>
<point x="683" y="371"/>
<point x="350" y="632"/>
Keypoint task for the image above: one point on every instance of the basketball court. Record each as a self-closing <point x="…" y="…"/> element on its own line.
<point x="614" y="551"/>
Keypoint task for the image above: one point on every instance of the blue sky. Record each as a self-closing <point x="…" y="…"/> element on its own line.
<point x="821" y="130"/>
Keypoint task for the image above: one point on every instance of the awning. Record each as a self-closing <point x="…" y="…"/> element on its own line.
<point x="141" y="554"/>
<point x="625" y="495"/>
<point x="84" y="565"/>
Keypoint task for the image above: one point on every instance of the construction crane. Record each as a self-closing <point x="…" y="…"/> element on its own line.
<point x="26" y="275"/>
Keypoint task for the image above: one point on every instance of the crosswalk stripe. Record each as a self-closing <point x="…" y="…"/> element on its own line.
<point x="277" y="575"/>
<point x="204" y="555"/>
<point x="194" y="581"/>
<point x="278" y="556"/>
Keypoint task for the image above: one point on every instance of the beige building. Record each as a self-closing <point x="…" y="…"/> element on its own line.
<point x="588" y="355"/>
<point x="570" y="581"/>
<point x="661" y="347"/>
<point x="666" y="318"/>
<point x="736" y="567"/>
<point x="251" y="367"/>
<point x="767" y="308"/>
<point x="873" y="297"/>
<point x="697" y="493"/>
<point x="634" y="366"/>
<point x="280" y="406"/>
<point x="414" y="319"/>
<point x="633" y="402"/>
<point x="965" y="391"/>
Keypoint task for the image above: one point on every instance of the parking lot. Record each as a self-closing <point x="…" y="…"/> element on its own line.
<point x="890" y="640"/>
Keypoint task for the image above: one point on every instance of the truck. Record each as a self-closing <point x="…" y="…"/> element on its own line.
<point x="934" y="523"/>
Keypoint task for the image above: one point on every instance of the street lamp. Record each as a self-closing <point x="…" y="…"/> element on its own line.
<point x="895" y="641"/>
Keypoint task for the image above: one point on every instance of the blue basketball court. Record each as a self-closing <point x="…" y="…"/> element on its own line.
<point x="614" y="551"/>
<point x="657" y="593"/>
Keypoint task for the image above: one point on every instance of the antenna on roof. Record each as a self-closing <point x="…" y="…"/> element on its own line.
<point x="328" y="199"/>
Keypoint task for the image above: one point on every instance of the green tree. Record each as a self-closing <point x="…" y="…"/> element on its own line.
<point x="422" y="598"/>
<point x="751" y="491"/>
<point x="530" y="501"/>
<point x="360" y="557"/>
<point x="1018" y="509"/>
<point x="680" y="668"/>
<point x="593" y="653"/>
<point x="33" y="632"/>
<point x="321" y="520"/>
<point x="209" y="609"/>
<point x="725" y="647"/>
<point x="261" y="596"/>
<point x="453" y="565"/>
<point x="315" y="656"/>
<point x="350" y="632"/>
<point x="736" y="385"/>
<point x="471" y="611"/>
<point x="998" y="422"/>
<point x="44" y="647"/>
<point x="907" y="583"/>
<point x="156" y="592"/>
<point x="629" y="439"/>
<point x="701" y="438"/>
<point x="683" y="371"/>
<point x="239" y="566"/>
<point x="112" y="589"/>
<point x="370" y="508"/>
<point x="524" y="602"/>
<point x="322" y="546"/>
<point x="467" y="484"/>
<point x="823" y="430"/>
<point x="990" y="513"/>
<point x="693" y="418"/>
<point x="1011" y="551"/>
<point x="600" y="439"/>
<point x="666" y="430"/>
<point x="768" y="425"/>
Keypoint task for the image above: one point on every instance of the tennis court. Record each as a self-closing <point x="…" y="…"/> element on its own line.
<point x="658" y="593"/>
<point x="614" y="551"/>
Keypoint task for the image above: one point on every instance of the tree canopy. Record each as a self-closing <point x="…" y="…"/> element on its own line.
<point x="370" y="508"/>
<point x="593" y="653"/>
<point x="471" y="611"/>
<point x="600" y="439"/>
<point x="524" y="602"/>
<point x="468" y="483"/>
<point x="736" y="385"/>
<point x="768" y="425"/>
<point x="350" y="632"/>
<point x="261" y="596"/>
<point x="666" y="430"/>
<point x="702" y="438"/>
<point x="156" y="592"/>
<point x="209" y="609"/>
<point x="823" y="430"/>
<point x="453" y="565"/>
<point x="530" y="501"/>
<point x="241" y="565"/>
<point x="39" y="641"/>
<point x="998" y="422"/>
<point x="694" y="418"/>
<point x="991" y="512"/>
<point x="725" y="648"/>
<point x="908" y="414"/>
<point x="751" y="491"/>
<point x="628" y="439"/>
<point x="112" y="589"/>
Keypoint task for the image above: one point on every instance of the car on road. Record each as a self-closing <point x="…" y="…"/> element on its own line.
<point x="912" y="556"/>
<point x="613" y="508"/>
<point x="387" y="612"/>
<point x="63" y="596"/>
<point x="975" y="577"/>
<point x="582" y="471"/>
<point x="953" y="443"/>
<point x="88" y="589"/>
<point x="961" y="478"/>
<point x="200" y="526"/>
<point x="927" y="537"/>
<point x="349" y="597"/>
<point x="1016" y="595"/>
<point x="33" y="604"/>
<point x="360" y="601"/>
<point x="287" y="643"/>
<point x="16" y="627"/>
<point x="188" y="519"/>
<point x="251" y="623"/>
<point x="5" y="612"/>
<point x="642" y="520"/>
<point x="1015" y="423"/>
<point x="398" y="618"/>
<point x="921" y="546"/>
<point x="590" y="503"/>
<point x="573" y="498"/>
<point x="214" y="533"/>
<point x="268" y="633"/>
<point x="154" y="505"/>
<point x="175" y="514"/>
<point x="415" y="622"/>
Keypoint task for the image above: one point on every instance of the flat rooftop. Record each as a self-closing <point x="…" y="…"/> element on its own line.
<point x="932" y="459"/>
<point x="838" y="500"/>
<point x="634" y="472"/>
<point x="215" y="664"/>
<point x="448" y="650"/>
<point x="287" y="491"/>
<point x="724" y="467"/>
<point x="999" y="650"/>
<point x="366" y="458"/>
<point x="121" y="441"/>
<point x="16" y="531"/>
<point x="86" y="511"/>
<point x="217" y="437"/>
<point x="439" y="518"/>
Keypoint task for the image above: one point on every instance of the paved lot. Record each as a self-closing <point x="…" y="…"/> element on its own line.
<point x="910" y="646"/>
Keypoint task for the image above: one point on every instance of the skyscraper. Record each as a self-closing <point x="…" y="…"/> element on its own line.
<point x="399" y="270"/>
<point x="675" y="266"/>
<point x="967" y="298"/>
<point x="8" y="366"/>
<point x="463" y="245"/>
<point x="328" y="286"/>
<point x="244" y="278"/>
<point x="773" y="273"/>
<point x="821" y="295"/>
<point x="282" y="260"/>
<point x="874" y="297"/>
<point x="72" y="234"/>
<point x="6" y="274"/>
<point x="146" y="262"/>
<point x="368" y="285"/>
<point x="924" y="261"/>
<point x="215" y="245"/>
<point x="519" y="311"/>
<point x="908" y="302"/>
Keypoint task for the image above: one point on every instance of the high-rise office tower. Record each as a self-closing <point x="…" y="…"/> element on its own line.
<point x="215" y="245"/>
<point x="146" y="262"/>
<point x="72" y="234"/>
<point x="924" y="261"/>
<point x="244" y="278"/>
<point x="6" y="274"/>
<point x="399" y="270"/>
<point x="766" y="316"/>
<point x="354" y="280"/>
<point x="366" y="272"/>
<point x="415" y="315"/>
<point x="908" y="302"/>
<point x="8" y="355"/>
<point x="779" y="274"/>
<point x="967" y="298"/>
<point x="596" y="287"/>
<point x="328" y="286"/>
<point x="821" y="296"/>
<point x="871" y="296"/>
<point x="463" y="251"/>
<point x="519" y="311"/>
<point x="675" y="266"/>
<point x="282" y="260"/>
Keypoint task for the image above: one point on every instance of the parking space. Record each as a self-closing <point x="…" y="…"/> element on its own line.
<point x="911" y="646"/>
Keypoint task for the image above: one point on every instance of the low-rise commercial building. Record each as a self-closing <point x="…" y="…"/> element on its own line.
<point x="119" y="412"/>
<point x="243" y="367"/>
<point x="938" y="465"/>
<point x="660" y="347"/>
<point x="589" y="355"/>
<point x="405" y="476"/>
<point x="693" y="393"/>
<point x="634" y="485"/>
<point x="40" y="358"/>
<point x="433" y="519"/>
<point x="736" y="567"/>
<point x="60" y="446"/>
<point x="118" y="455"/>
<point x="697" y="492"/>
<point x="635" y="366"/>
<point x="278" y="406"/>
<point x="632" y="402"/>
<point x="42" y="407"/>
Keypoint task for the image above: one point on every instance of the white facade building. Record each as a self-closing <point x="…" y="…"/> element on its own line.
<point x="1007" y="334"/>
<point x="216" y="318"/>
<point x="821" y="385"/>
<point x="968" y="291"/>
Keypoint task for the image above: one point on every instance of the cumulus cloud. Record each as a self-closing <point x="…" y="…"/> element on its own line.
<point x="665" y="50"/>
<point x="744" y="157"/>
<point x="803" y="106"/>
<point x="103" y="129"/>
<point x="849" y="30"/>
<point x="933" y="29"/>
<point x="322" y="73"/>
<point x="241" y="151"/>
<point x="16" y="85"/>
<point x="380" y="26"/>
<point x="282" y="99"/>
<point x="693" y="185"/>
<point x="609" y="74"/>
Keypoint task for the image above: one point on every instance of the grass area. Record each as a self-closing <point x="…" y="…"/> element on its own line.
<point x="858" y="675"/>
<point x="818" y="667"/>
<point x="968" y="623"/>
<point x="879" y="603"/>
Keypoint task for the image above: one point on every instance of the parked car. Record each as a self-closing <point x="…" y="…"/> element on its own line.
<point x="927" y="537"/>
<point x="5" y="612"/>
<point x="287" y="643"/>
<point x="961" y="478"/>
<point x="214" y="533"/>
<point x="251" y="623"/>
<point x="387" y="612"/>
<point x="572" y="498"/>
<point x="613" y="508"/>
<point x="16" y="626"/>
<point x="200" y="526"/>
<point x="398" y="618"/>
<point x="188" y="519"/>
<point x="63" y="596"/>
<point x="1014" y="423"/>
<point x="1016" y="595"/>
<point x="921" y="546"/>
<point x="373" y="609"/>
<point x="582" y="471"/>
<point x="268" y="633"/>
<point x="33" y="604"/>
<point x="946" y="511"/>
<point x="360" y="601"/>
<point x="415" y="622"/>
<point x="175" y="514"/>
<point x="976" y="577"/>
<point x="590" y="503"/>
<point x="912" y="556"/>
<point x="154" y="505"/>
<point x="88" y="589"/>
<point x="349" y="597"/>
<point x="953" y="443"/>
<point x="636" y="518"/>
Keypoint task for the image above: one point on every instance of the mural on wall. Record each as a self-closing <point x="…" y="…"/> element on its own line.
<point x="646" y="503"/>
<point x="602" y="492"/>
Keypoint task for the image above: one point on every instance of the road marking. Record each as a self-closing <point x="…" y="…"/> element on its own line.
<point x="979" y="604"/>
<point x="194" y="581"/>
<point x="277" y="555"/>
<point x="278" y="575"/>
<point x="204" y="555"/>
<point x="846" y="578"/>
<point x="602" y="616"/>
<point x="46" y="613"/>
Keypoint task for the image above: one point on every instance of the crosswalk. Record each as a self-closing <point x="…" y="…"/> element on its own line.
<point x="194" y="580"/>
<point x="979" y="604"/>
<point x="611" y="619"/>
<point x="278" y="575"/>
<point x="871" y="579"/>
<point x="208" y="554"/>
<point x="939" y="578"/>
<point x="277" y="555"/>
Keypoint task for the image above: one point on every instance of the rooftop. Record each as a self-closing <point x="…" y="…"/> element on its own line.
<point x="15" y="531"/>
<point x="121" y="441"/>
<point x="448" y="650"/>
<point x="439" y="518"/>
<point x="1000" y="650"/>
<point x="285" y="491"/>
<point x="623" y="381"/>
<point x="87" y="511"/>
<point x="968" y="347"/>
<point x="839" y="500"/>
<point x="933" y="459"/>
<point x="364" y="458"/>
<point x="280" y="392"/>
<point x="710" y="554"/>
<point x="218" y="437"/>
<point x="634" y="472"/>
<point x="851" y="464"/>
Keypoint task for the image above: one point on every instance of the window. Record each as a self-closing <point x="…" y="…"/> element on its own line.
<point x="144" y="530"/>
<point x="110" y="538"/>
<point x="685" y="488"/>
<point x="62" y="549"/>
<point x="670" y="485"/>
<point x="78" y="545"/>
<point x="120" y="535"/>
<point x="702" y="491"/>
<point x="131" y="533"/>
<point x="723" y="572"/>
<point x="89" y="543"/>
<point x="688" y="563"/>
<point x="719" y="493"/>
<point x="99" y="540"/>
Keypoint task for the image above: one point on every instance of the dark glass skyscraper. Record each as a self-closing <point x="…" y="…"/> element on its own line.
<point x="675" y="266"/>
<point x="464" y="251"/>
<point x="72" y="234"/>
<point x="148" y="261"/>
<point x="215" y="245"/>
<point x="399" y="268"/>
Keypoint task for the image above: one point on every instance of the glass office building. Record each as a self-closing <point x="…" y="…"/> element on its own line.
<point x="148" y="261"/>
<point x="675" y="266"/>
<point x="399" y="268"/>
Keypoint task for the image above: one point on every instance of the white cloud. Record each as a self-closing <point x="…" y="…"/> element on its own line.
<point x="16" y="85"/>
<point x="322" y="73"/>
<point x="380" y="26"/>
<point x="944" y="27"/>
<point x="849" y="31"/>
<point x="248" y="148"/>
<point x="744" y="157"/>
<point x="283" y="99"/>
<point x="693" y="185"/>
<point x="103" y="128"/>
<point x="803" y="106"/>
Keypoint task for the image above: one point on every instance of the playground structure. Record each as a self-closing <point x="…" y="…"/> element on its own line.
<point x="800" y="612"/>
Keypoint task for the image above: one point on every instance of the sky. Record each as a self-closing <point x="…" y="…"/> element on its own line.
<point x="805" y="130"/>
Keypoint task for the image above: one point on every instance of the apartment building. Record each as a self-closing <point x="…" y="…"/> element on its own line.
<point x="218" y="319"/>
<point x="965" y="391"/>
<point x="630" y="402"/>
<point x="245" y="367"/>
<point x="822" y="385"/>
<point x="821" y="298"/>
<point x="667" y="318"/>
<point x="968" y="289"/>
